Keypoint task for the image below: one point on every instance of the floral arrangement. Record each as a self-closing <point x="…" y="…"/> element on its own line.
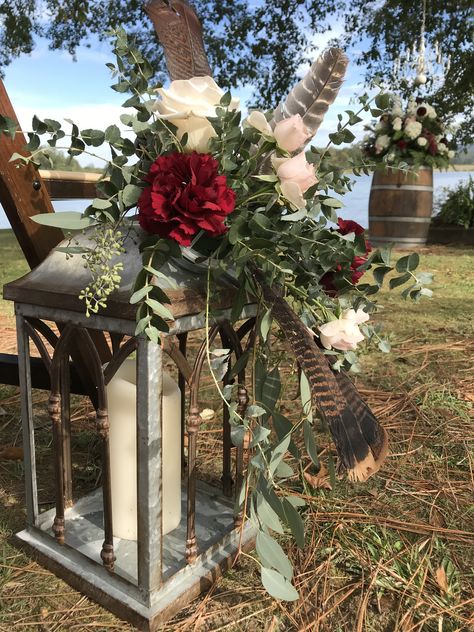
<point x="412" y="135"/>
<point x="243" y="195"/>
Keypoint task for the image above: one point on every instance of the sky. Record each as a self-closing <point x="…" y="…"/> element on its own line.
<point x="50" y="84"/>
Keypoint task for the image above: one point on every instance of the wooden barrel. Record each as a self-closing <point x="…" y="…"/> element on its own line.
<point x="400" y="207"/>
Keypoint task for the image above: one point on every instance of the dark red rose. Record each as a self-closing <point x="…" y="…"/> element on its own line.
<point x="185" y="195"/>
<point x="402" y="144"/>
<point x="421" y="111"/>
<point x="347" y="226"/>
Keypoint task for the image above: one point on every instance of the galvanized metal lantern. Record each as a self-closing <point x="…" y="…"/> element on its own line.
<point x="147" y="579"/>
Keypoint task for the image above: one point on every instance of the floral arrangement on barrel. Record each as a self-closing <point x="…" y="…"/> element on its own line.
<point x="413" y="135"/>
<point x="251" y="202"/>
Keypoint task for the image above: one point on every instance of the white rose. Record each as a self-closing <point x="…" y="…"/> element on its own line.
<point x="187" y="103"/>
<point x="391" y="157"/>
<point x="431" y="112"/>
<point x="442" y="148"/>
<point x="422" y="141"/>
<point x="451" y="153"/>
<point x="343" y="334"/>
<point x="397" y="124"/>
<point x="413" y="129"/>
<point x="257" y="119"/>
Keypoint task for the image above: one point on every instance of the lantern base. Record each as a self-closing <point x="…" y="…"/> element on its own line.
<point x="78" y="561"/>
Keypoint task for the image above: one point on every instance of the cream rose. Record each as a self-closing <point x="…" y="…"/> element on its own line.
<point x="187" y="103"/>
<point x="344" y="333"/>
<point x="422" y="141"/>
<point x="291" y="133"/>
<point x="296" y="176"/>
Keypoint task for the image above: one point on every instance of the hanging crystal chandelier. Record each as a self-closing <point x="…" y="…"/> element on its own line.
<point x="419" y="65"/>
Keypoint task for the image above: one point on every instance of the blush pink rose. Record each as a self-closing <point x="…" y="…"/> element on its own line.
<point x="344" y="333"/>
<point x="296" y="176"/>
<point x="291" y="133"/>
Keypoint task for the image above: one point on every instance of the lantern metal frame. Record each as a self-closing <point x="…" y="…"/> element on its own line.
<point x="156" y="593"/>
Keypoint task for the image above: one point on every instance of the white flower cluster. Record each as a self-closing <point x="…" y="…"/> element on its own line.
<point x="412" y="128"/>
<point x="381" y="143"/>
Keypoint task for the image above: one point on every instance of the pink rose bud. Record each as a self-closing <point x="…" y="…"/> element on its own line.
<point x="291" y="133"/>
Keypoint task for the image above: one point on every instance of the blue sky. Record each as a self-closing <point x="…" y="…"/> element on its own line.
<point x="50" y="84"/>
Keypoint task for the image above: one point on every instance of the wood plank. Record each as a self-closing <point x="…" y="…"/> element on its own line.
<point x="66" y="185"/>
<point x="23" y="195"/>
<point x="39" y="376"/>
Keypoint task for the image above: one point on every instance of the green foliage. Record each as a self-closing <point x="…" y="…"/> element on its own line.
<point x="456" y="205"/>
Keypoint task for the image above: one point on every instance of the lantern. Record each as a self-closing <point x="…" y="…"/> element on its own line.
<point x="172" y="538"/>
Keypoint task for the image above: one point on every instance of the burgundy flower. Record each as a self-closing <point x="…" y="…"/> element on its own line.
<point x="421" y="111"/>
<point x="185" y="195"/>
<point x="347" y="226"/>
<point x="402" y="144"/>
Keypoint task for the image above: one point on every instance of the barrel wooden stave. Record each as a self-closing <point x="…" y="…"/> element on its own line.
<point x="400" y="207"/>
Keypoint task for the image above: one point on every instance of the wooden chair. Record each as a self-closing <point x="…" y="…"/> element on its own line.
<point x="25" y="192"/>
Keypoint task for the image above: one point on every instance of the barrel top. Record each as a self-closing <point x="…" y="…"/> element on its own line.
<point x="57" y="282"/>
<point x="397" y="178"/>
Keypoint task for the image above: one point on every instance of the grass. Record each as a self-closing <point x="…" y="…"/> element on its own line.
<point x="393" y="554"/>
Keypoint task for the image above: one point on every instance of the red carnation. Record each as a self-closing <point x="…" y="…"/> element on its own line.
<point x="185" y="195"/>
<point x="347" y="226"/>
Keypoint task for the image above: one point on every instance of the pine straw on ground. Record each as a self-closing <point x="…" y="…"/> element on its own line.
<point x="394" y="554"/>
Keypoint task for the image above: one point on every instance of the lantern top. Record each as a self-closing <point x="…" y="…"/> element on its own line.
<point x="58" y="280"/>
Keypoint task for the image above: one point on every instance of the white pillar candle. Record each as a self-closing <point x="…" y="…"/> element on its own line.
<point x="122" y="406"/>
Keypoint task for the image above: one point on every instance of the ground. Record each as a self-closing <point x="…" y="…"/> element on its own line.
<point x="393" y="554"/>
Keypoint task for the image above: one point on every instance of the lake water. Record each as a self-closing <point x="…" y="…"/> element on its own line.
<point x="356" y="202"/>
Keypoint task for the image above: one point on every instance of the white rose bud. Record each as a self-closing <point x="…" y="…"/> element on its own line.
<point x="187" y="103"/>
<point x="422" y="141"/>
<point x="343" y="334"/>
<point x="258" y="120"/>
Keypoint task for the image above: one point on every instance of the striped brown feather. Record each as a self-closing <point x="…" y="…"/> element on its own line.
<point x="180" y="33"/>
<point x="359" y="438"/>
<point x="313" y="95"/>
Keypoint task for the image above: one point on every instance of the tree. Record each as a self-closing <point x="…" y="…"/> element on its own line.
<point x="263" y="44"/>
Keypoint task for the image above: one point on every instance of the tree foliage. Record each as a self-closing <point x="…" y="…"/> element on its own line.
<point x="263" y="44"/>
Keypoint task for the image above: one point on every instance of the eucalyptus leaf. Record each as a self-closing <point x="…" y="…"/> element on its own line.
<point x="277" y="585"/>
<point x="67" y="220"/>
<point x="272" y="555"/>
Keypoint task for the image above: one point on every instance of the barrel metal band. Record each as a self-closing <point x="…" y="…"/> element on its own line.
<point x="401" y="187"/>
<point x="397" y="218"/>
